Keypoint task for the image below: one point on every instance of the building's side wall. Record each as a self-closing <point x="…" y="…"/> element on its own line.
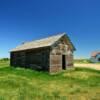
<point x="69" y="61"/>
<point x="55" y="63"/>
<point x="98" y="58"/>
<point x="60" y="48"/>
<point x="95" y="59"/>
<point x="35" y="59"/>
<point x="38" y="59"/>
<point x="17" y="58"/>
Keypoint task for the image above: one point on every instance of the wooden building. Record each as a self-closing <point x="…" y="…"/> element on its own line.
<point x="50" y="54"/>
<point x="95" y="56"/>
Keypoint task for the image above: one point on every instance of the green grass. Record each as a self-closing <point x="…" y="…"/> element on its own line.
<point x="84" y="61"/>
<point x="4" y="63"/>
<point x="25" y="84"/>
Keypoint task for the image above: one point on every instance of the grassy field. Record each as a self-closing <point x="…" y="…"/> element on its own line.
<point x="25" y="84"/>
<point x="84" y="61"/>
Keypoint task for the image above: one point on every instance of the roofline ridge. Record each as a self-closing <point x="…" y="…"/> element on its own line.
<point x="47" y="37"/>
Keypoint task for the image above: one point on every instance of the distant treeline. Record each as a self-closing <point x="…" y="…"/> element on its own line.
<point x="82" y="61"/>
<point x="4" y="59"/>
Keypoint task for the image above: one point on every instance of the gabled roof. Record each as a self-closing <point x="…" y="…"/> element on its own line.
<point x="46" y="42"/>
<point x="95" y="53"/>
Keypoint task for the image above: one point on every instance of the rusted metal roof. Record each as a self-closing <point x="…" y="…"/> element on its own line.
<point x="95" y="53"/>
<point x="46" y="42"/>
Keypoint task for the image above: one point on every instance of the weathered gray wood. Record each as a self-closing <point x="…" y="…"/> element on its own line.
<point x="47" y="59"/>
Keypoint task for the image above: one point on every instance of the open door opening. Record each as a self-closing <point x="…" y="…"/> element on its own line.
<point x="63" y="62"/>
<point x="99" y="59"/>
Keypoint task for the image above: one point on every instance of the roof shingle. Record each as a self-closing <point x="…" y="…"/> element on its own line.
<point x="38" y="43"/>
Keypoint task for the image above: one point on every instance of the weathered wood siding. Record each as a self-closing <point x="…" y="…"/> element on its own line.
<point x="35" y="59"/>
<point x="60" y="48"/>
<point x="18" y="59"/>
<point x="38" y="59"/>
<point x="55" y="63"/>
<point x="46" y="59"/>
<point x="69" y="61"/>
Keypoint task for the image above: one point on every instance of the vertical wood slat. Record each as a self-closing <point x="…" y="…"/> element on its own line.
<point x="55" y="63"/>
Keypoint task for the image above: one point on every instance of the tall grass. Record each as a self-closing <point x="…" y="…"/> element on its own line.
<point x="26" y="84"/>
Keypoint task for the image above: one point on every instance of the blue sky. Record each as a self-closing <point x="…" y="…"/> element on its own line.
<point x="26" y="20"/>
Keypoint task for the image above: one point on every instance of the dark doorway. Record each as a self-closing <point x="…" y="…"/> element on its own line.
<point x="63" y="62"/>
<point x="99" y="59"/>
